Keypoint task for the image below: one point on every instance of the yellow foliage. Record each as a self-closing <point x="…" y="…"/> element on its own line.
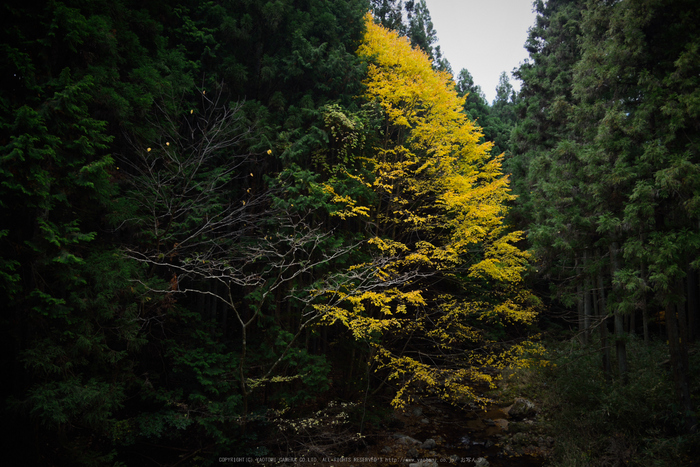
<point x="431" y="150"/>
<point x="351" y="209"/>
<point x="388" y="246"/>
<point x="441" y="202"/>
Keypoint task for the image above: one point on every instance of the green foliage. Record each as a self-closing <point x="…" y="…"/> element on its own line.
<point x="166" y="249"/>
<point x="496" y="121"/>
<point x="595" y="145"/>
<point x="80" y="358"/>
<point x="475" y="106"/>
<point x="76" y="76"/>
<point x="595" y="423"/>
<point x="88" y="403"/>
<point x="606" y="175"/>
<point x="298" y="369"/>
<point x="545" y="165"/>
<point x="412" y="20"/>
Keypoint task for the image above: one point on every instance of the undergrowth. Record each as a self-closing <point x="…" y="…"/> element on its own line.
<point x="604" y="423"/>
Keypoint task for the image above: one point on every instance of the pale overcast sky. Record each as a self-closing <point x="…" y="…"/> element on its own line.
<point x="484" y="36"/>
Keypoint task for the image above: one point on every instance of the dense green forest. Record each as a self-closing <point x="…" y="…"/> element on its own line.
<point x="260" y="229"/>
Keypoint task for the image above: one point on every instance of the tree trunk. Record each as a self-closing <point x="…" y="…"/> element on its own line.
<point x="678" y="349"/>
<point x="241" y="372"/>
<point x="224" y="321"/>
<point x="605" y="347"/>
<point x="213" y="309"/>
<point x="587" y="311"/>
<point x="620" y="337"/>
<point x="643" y="306"/>
<point x="579" y="308"/>
<point x="693" y="304"/>
<point x="633" y="323"/>
<point x="645" y="320"/>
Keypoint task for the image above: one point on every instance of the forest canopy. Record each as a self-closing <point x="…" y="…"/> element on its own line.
<point x="218" y="210"/>
<point x="262" y="226"/>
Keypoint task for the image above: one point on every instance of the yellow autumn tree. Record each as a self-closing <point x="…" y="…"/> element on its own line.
<point x="444" y="276"/>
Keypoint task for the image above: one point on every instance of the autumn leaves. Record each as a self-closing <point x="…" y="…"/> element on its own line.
<point x="439" y="207"/>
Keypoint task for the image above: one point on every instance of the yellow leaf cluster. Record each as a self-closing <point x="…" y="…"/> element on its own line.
<point x="430" y="149"/>
<point x="439" y="209"/>
<point x="350" y="209"/>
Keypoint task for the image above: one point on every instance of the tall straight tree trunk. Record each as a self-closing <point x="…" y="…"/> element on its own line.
<point x="633" y="323"/>
<point x="596" y="302"/>
<point x="213" y="310"/>
<point x="693" y="303"/>
<point x="620" y="344"/>
<point x="241" y="371"/>
<point x="224" y="321"/>
<point x="678" y="349"/>
<point x="579" y="307"/>
<point x="643" y="306"/>
<point x="587" y="311"/>
<point x="603" y="317"/>
<point x="645" y="319"/>
<point x="587" y="308"/>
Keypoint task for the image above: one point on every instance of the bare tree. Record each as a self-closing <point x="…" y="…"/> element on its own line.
<point x="211" y="227"/>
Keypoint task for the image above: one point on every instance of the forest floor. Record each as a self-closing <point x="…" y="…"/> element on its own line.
<point x="577" y="417"/>
<point x="433" y="433"/>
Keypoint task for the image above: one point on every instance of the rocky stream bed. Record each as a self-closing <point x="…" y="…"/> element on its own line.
<point x="436" y="434"/>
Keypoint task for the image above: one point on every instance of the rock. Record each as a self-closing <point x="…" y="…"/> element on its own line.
<point x="428" y="444"/>
<point x="522" y="408"/>
<point x="386" y="450"/>
<point x="406" y="440"/>
<point x="481" y="462"/>
<point x="413" y="453"/>
<point x="425" y="421"/>
<point x="424" y="463"/>
<point x="520" y="438"/>
<point x="417" y="411"/>
<point x="545" y="443"/>
<point x="501" y="423"/>
<point x="509" y="450"/>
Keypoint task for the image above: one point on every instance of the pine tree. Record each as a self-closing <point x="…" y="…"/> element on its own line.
<point x="502" y="115"/>
<point x="546" y="166"/>
<point x="412" y="20"/>
<point x="601" y="146"/>
<point x="627" y="80"/>
<point x="75" y="76"/>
